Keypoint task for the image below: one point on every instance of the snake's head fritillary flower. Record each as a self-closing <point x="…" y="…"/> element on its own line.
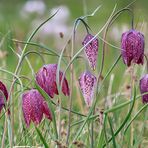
<point x="87" y="82"/>
<point x="91" y="50"/>
<point x="144" y="88"/>
<point x="34" y="106"/>
<point x="3" y="95"/>
<point x="46" y="78"/>
<point x="132" y="44"/>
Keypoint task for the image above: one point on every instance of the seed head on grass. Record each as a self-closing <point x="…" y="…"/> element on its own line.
<point x="46" y="78"/>
<point x="132" y="44"/>
<point x="34" y="107"/>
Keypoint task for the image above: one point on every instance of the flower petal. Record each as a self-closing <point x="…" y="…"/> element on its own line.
<point x="3" y="93"/>
<point x="34" y="106"/>
<point x="87" y="82"/>
<point x="132" y="44"/>
<point x="91" y="50"/>
<point x="46" y="78"/>
<point x="144" y="88"/>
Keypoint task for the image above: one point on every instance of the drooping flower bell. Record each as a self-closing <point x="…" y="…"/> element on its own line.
<point x="34" y="106"/>
<point x="87" y="82"/>
<point x="46" y="78"/>
<point x="132" y="45"/>
<point x="144" y="88"/>
<point x="91" y="50"/>
<point x="3" y="95"/>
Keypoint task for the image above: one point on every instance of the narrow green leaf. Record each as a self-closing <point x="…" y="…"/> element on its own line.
<point x="42" y="138"/>
<point x="112" y="132"/>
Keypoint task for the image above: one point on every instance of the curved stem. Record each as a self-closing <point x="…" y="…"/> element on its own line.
<point x="85" y="24"/>
<point x="146" y="62"/>
<point x="30" y="52"/>
<point x="120" y="12"/>
<point x="40" y="46"/>
<point x="114" y="17"/>
<point x="70" y="98"/>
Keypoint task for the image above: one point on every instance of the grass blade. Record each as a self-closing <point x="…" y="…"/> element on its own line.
<point x="42" y="138"/>
<point x="112" y="132"/>
<point x="9" y="130"/>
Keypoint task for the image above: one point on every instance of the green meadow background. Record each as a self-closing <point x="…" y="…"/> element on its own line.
<point x="17" y="22"/>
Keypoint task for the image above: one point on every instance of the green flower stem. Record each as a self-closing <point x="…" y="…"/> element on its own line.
<point x="112" y="132"/>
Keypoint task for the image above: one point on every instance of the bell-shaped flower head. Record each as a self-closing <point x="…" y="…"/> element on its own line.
<point x="87" y="82"/>
<point x="46" y="79"/>
<point x="91" y="50"/>
<point x="3" y="95"/>
<point x="132" y="47"/>
<point x="34" y="106"/>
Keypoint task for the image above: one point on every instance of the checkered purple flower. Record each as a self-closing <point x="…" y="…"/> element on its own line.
<point x="34" y="106"/>
<point x="132" y="44"/>
<point x="87" y="82"/>
<point x="46" y="78"/>
<point x="3" y="95"/>
<point x="91" y="50"/>
<point x="144" y="88"/>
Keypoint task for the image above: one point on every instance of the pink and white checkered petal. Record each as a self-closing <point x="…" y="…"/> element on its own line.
<point x="33" y="106"/>
<point x="36" y="103"/>
<point x="144" y="88"/>
<point x="87" y="82"/>
<point x="27" y="108"/>
<point x="65" y="87"/>
<point x="46" y="110"/>
<point x="132" y="44"/>
<point x="46" y="78"/>
<point x="3" y="95"/>
<point x="91" y="50"/>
